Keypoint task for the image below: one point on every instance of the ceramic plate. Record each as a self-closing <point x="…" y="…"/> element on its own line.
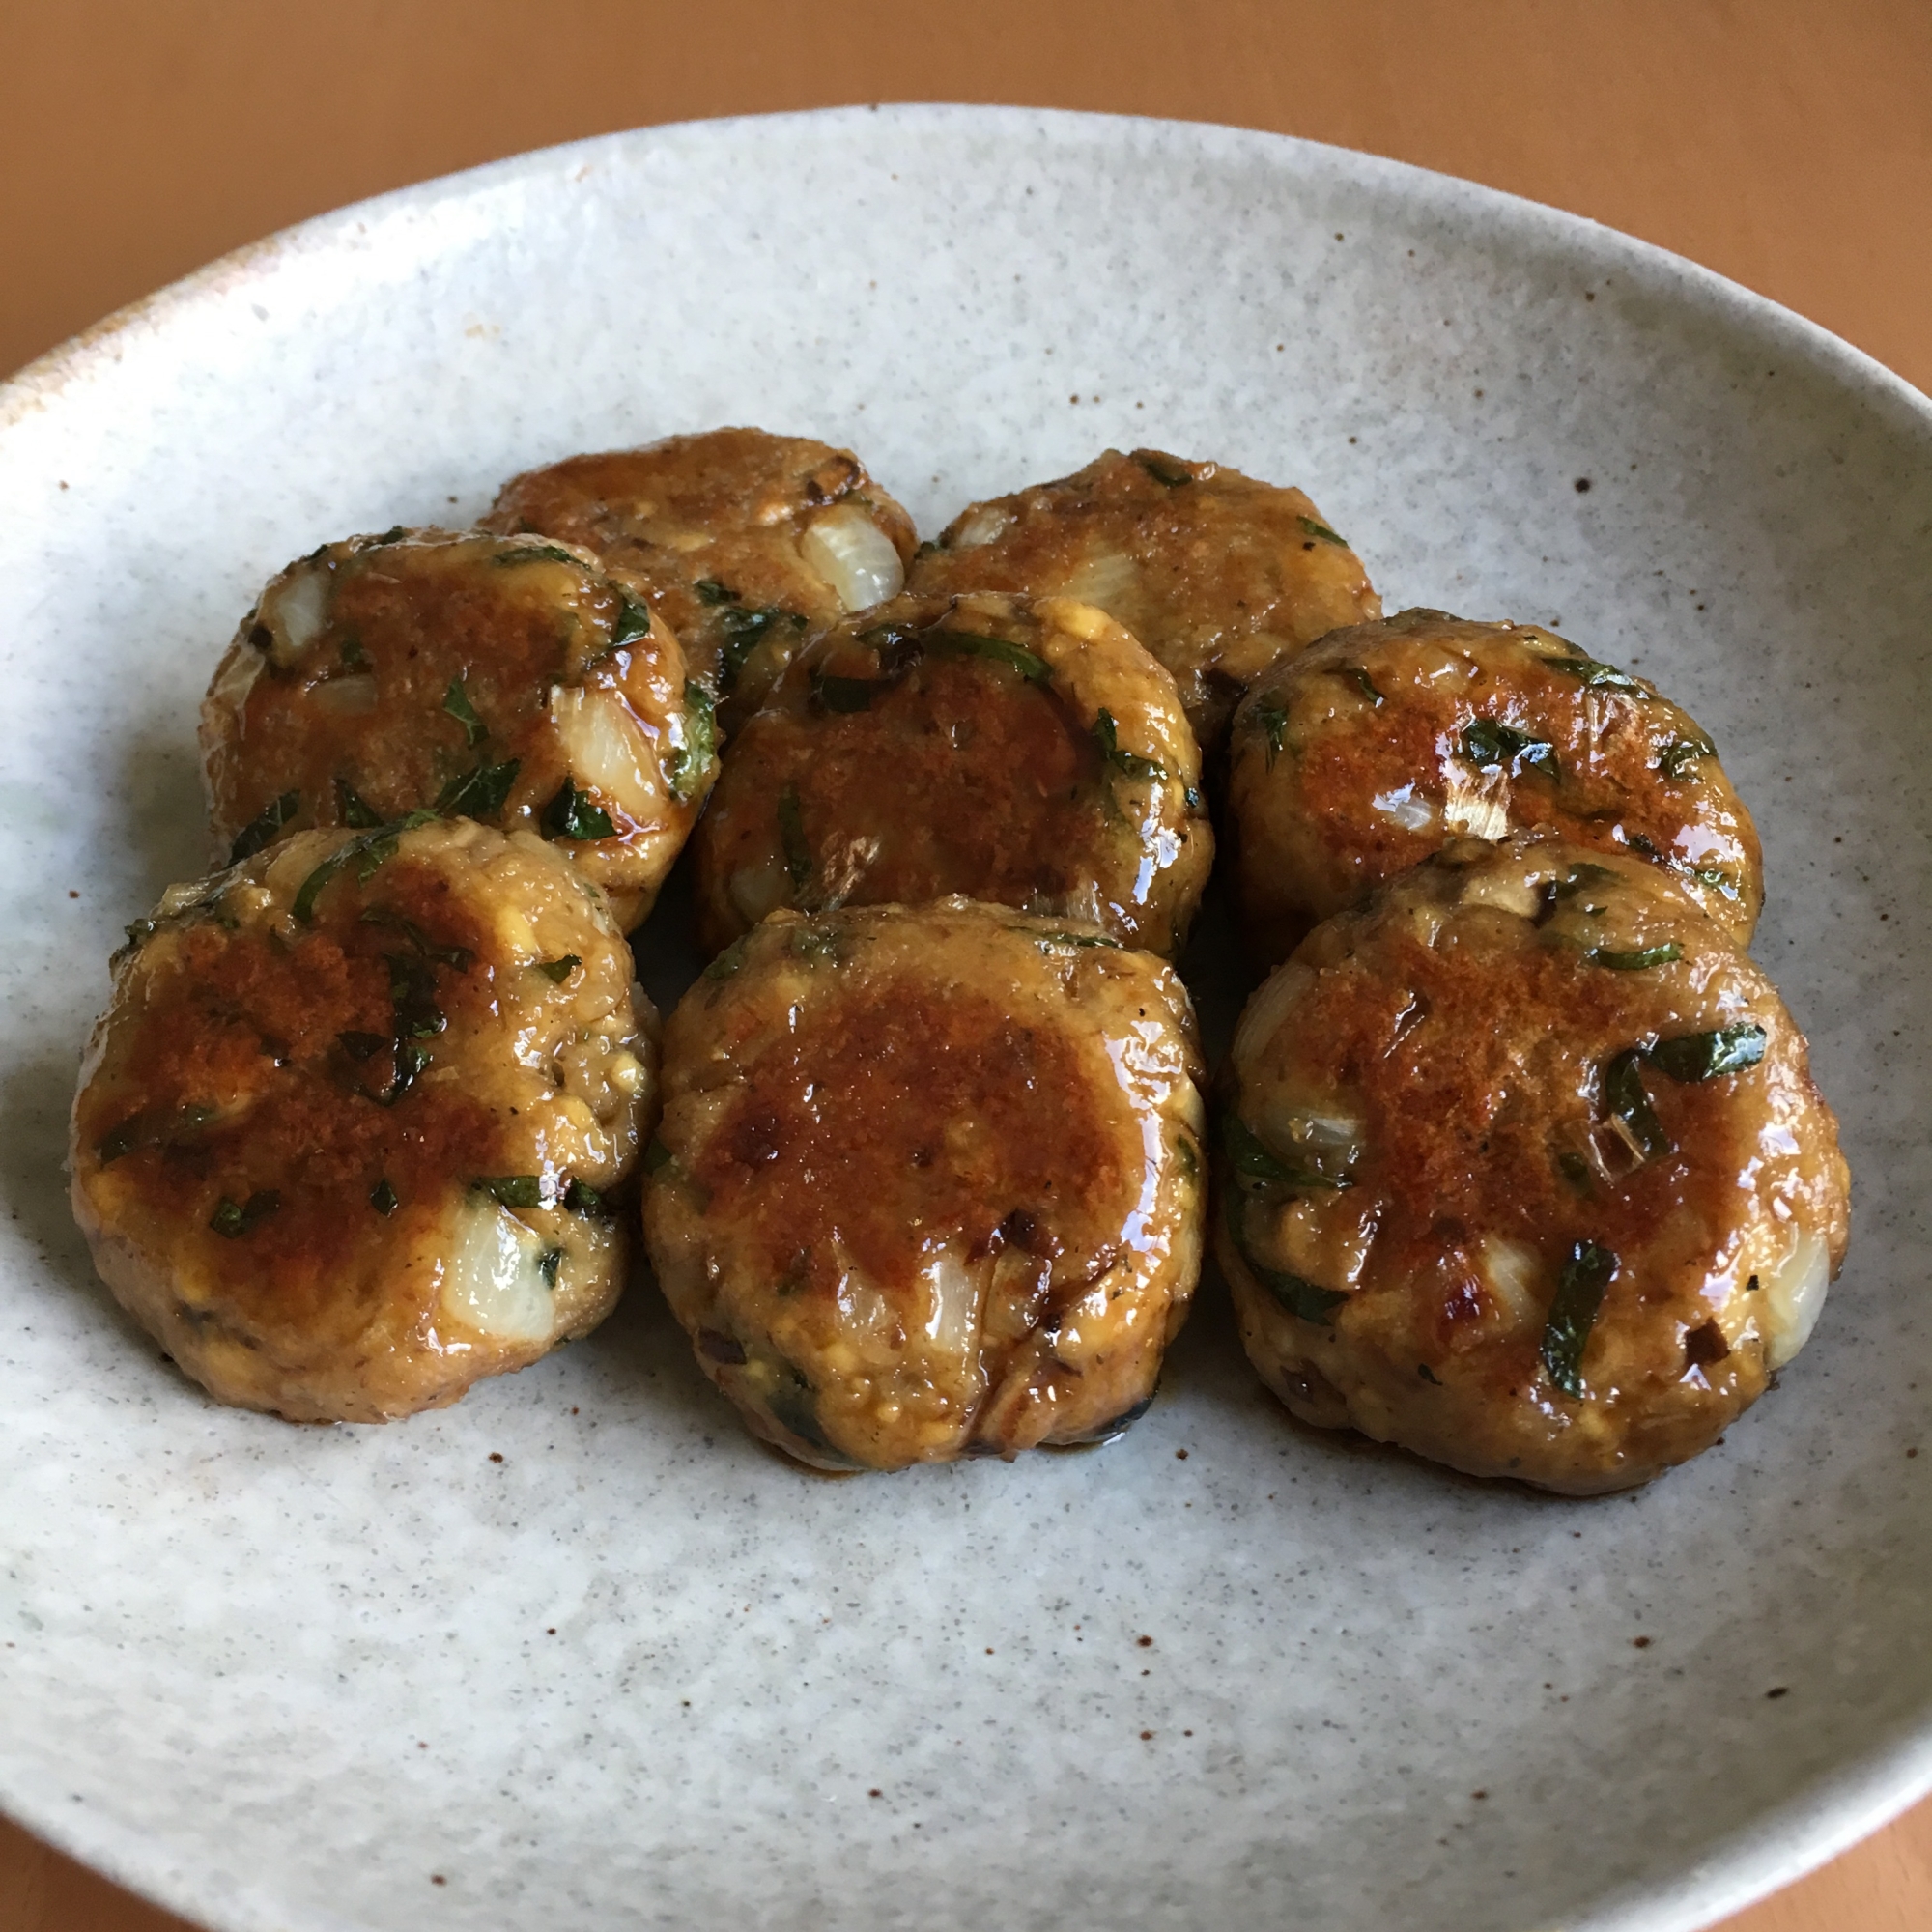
<point x="576" y="1654"/>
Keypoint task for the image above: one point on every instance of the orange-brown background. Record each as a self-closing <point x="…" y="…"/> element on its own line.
<point x="1787" y="143"/>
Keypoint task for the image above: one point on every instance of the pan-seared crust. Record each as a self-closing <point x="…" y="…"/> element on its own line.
<point x="1029" y="753"/>
<point x="509" y="681"/>
<point x="1218" y="575"/>
<point x="343" y="1136"/>
<point x="1522" y="1167"/>
<point x="1376" y="745"/>
<point x="744" y="542"/>
<point x="929" y="1182"/>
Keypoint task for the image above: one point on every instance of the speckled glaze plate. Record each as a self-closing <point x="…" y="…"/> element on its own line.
<point x="576" y="1653"/>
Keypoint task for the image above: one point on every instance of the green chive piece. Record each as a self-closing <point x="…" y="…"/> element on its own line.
<point x="1625" y="1098"/>
<point x="1573" y="1313"/>
<point x="479" y="794"/>
<point x="383" y="1196"/>
<point x="262" y="829"/>
<point x="1677" y="757"/>
<point x="460" y="958"/>
<point x="1107" y="737"/>
<point x="456" y="701"/>
<point x="1593" y="673"/>
<point x="557" y="971"/>
<point x="1488" y="744"/>
<point x="1322" y="531"/>
<point x="729" y="961"/>
<point x="506" y="560"/>
<point x="688" y="764"/>
<point x="1358" y="675"/>
<point x="947" y="644"/>
<point x="573" y="815"/>
<point x="1272" y="717"/>
<point x="657" y="1156"/>
<point x="583" y="1199"/>
<point x="1163" y="471"/>
<point x="844" y="694"/>
<point x="1247" y="1154"/>
<point x="231" y="1222"/>
<point x="1635" y="962"/>
<point x="791" y="836"/>
<point x="367" y="852"/>
<point x="352" y="809"/>
<point x="548" y="1264"/>
<point x="513" y="1190"/>
<point x="633" y="620"/>
<point x="1704" y="1056"/>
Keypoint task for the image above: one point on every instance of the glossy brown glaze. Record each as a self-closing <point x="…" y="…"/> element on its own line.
<point x="1029" y="753"/>
<point x="1371" y="748"/>
<point x="507" y="681"/>
<point x="1218" y="575"/>
<point x="1479" y="1098"/>
<point x="928" y="1182"/>
<point x="287" y="1108"/>
<point x="742" y="541"/>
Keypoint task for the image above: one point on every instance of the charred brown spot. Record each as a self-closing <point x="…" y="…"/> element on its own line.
<point x="1705" y="1345"/>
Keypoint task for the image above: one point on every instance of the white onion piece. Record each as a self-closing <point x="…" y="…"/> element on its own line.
<point x="1793" y="1292"/>
<point x="605" y="748"/>
<point x="1410" y="812"/>
<point x="298" y="611"/>
<point x="981" y="527"/>
<point x="853" y="556"/>
<point x="1475" y="814"/>
<point x="491" y="1279"/>
<point x="1511" y="1269"/>
<point x="952" y="1323"/>
<point x="347" y="696"/>
<point x="1264" y="1012"/>
<point x="1104" y="579"/>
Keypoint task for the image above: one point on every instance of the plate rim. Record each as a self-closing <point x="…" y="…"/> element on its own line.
<point x="1825" y="1817"/>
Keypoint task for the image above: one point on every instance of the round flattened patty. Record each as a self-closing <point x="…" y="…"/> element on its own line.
<point x="928" y="1182"/>
<point x="507" y="681"/>
<point x="1216" y="574"/>
<point x="742" y="541"/>
<point x="344" y="1135"/>
<point x="1027" y="753"/>
<point x="1522" y="1167"/>
<point x="1378" y="744"/>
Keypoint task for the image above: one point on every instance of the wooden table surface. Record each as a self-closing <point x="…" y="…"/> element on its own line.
<point x="1785" y="143"/>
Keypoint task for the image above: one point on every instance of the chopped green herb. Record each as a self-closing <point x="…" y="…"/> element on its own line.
<point x="1428" y="1375"/>
<point x="1357" y="675"/>
<point x="1638" y="842"/>
<point x="744" y="632"/>
<point x="1488" y="744"/>
<point x="1300" y="1297"/>
<point x="1717" y="878"/>
<point x="1635" y="962"/>
<point x="231" y="1222"/>
<point x="513" y="1190"/>
<point x="633" y="620"/>
<point x="844" y="694"/>
<point x="456" y="701"/>
<point x="1625" y="1098"/>
<point x="1187" y="1156"/>
<point x="1047" y="941"/>
<point x="711" y="591"/>
<point x="383" y="1196"/>
<point x="657" y="1156"/>
<point x="1573" y="1313"/>
<point x="548" y="1264"/>
<point x="580" y="1198"/>
<point x="352" y="809"/>
<point x="1583" y="873"/>
<point x="150" y="1128"/>
<point x="1575" y="1170"/>
<point x="504" y="559"/>
<point x="573" y="815"/>
<point x="479" y="794"/>
<point x="1272" y="717"/>
<point x="410" y="1062"/>
<point x="1107" y="737"/>
<point x="1595" y="674"/>
<point x="1704" y="1056"/>
<point x="1322" y="531"/>
<point x="1677" y="757"/>
<point x="349" y="648"/>
<point x="791" y="836"/>
<point x="1250" y="1157"/>
<point x="1190" y="798"/>
<point x="413" y="990"/>
<point x="729" y="961"/>
<point x="139" y="932"/>
<point x="262" y="830"/>
<point x="686" y="768"/>
<point x="948" y="643"/>
<point x="1162" y="472"/>
<point x="359" y="1045"/>
<point x="395" y="533"/>
<point x="925" y="550"/>
<point x="367" y="853"/>
<point x="557" y="971"/>
<point x="460" y="958"/>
